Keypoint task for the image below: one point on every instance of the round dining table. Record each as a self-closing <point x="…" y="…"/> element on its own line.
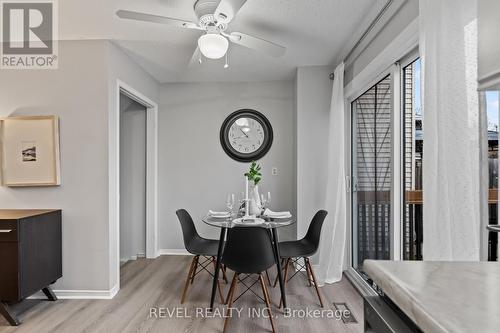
<point x="272" y="224"/>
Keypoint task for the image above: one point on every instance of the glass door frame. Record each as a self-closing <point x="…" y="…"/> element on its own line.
<point x="404" y="62"/>
<point x="395" y="71"/>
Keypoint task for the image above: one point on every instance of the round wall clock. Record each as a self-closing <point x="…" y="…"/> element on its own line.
<point x="246" y="135"/>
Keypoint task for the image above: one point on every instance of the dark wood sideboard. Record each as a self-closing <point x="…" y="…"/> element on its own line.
<point x="30" y="256"/>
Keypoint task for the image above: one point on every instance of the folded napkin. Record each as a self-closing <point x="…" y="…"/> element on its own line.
<point x="270" y="213"/>
<point x="213" y="213"/>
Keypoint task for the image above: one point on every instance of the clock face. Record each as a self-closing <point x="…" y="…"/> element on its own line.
<point x="246" y="135"/>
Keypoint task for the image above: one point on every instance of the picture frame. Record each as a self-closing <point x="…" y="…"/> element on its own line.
<point x="29" y="147"/>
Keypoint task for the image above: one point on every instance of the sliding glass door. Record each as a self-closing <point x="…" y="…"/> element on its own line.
<point x="371" y="145"/>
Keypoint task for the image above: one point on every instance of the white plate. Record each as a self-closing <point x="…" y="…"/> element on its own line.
<point x="250" y="221"/>
<point x="279" y="217"/>
<point x="220" y="216"/>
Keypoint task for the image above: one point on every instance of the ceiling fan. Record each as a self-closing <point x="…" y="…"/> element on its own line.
<point x="214" y="17"/>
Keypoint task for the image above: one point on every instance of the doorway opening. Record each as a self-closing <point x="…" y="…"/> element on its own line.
<point x="132" y="179"/>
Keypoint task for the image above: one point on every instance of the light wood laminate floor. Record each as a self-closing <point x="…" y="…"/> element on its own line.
<point x="158" y="284"/>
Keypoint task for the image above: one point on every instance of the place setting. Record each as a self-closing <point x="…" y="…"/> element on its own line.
<point x="252" y="207"/>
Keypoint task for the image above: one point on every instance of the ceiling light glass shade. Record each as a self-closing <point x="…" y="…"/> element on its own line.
<point x="213" y="46"/>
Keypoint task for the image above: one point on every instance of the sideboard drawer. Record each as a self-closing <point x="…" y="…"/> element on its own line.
<point x="8" y="231"/>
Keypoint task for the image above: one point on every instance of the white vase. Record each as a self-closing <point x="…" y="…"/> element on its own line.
<point x="255" y="203"/>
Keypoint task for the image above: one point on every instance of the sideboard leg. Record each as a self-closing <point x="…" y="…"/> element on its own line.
<point x="49" y="293"/>
<point x="8" y="314"/>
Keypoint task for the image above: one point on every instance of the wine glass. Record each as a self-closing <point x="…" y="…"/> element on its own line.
<point x="263" y="201"/>
<point x="230" y="202"/>
<point x="268" y="199"/>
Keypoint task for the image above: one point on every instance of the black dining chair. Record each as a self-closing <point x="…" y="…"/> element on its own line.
<point x="292" y="251"/>
<point x="248" y="251"/>
<point x="199" y="247"/>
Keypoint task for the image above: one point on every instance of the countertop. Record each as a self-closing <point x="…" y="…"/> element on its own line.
<point x="442" y="296"/>
<point x="15" y="214"/>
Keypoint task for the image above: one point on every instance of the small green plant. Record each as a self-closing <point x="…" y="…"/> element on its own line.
<point x="254" y="174"/>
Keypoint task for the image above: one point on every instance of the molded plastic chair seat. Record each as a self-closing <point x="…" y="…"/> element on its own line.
<point x="203" y="247"/>
<point x="199" y="246"/>
<point x="248" y="251"/>
<point x="292" y="251"/>
<point x="299" y="248"/>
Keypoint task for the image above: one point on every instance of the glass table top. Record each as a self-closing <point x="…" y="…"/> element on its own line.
<point x="231" y="222"/>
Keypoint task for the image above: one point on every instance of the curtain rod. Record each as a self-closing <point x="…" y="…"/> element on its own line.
<point x="370" y="28"/>
<point x="365" y="33"/>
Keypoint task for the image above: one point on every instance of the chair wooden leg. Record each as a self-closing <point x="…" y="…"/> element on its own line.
<point x="268" y="279"/>
<point x="307" y="272"/>
<point x="189" y="278"/>
<point x="224" y="275"/>
<point x="314" y="282"/>
<point x="234" y="283"/>
<point x="281" y="267"/>
<point x="197" y="258"/>
<point x="285" y="278"/>
<point x="218" y="285"/>
<point x="268" y="302"/>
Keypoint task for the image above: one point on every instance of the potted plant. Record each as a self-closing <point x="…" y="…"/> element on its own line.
<point x="255" y="176"/>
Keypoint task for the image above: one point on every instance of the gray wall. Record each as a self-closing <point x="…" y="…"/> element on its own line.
<point x="314" y="91"/>
<point x="77" y="93"/>
<point x="408" y="12"/>
<point x="82" y="92"/>
<point x="489" y="47"/>
<point x="132" y="179"/>
<point x="196" y="174"/>
<point x="120" y="67"/>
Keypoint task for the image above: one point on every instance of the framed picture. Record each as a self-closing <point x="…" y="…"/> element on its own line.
<point x="30" y="151"/>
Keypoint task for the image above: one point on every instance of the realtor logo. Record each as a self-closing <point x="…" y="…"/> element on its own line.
<point x="28" y="34"/>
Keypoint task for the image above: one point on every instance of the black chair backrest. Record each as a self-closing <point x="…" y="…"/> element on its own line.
<point x="314" y="231"/>
<point x="248" y="250"/>
<point x="189" y="232"/>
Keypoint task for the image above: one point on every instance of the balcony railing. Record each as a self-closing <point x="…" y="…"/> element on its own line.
<point x="374" y="234"/>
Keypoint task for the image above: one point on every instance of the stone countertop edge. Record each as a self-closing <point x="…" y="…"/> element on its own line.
<point x="396" y="290"/>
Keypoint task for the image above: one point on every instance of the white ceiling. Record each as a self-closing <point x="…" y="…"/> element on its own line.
<point x="315" y="32"/>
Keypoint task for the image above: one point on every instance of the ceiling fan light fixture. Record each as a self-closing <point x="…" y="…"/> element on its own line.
<point x="213" y="45"/>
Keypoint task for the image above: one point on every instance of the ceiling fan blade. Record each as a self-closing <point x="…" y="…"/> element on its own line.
<point x="227" y="10"/>
<point x="258" y="44"/>
<point x="195" y="59"/>
<point x="130" y="15"/>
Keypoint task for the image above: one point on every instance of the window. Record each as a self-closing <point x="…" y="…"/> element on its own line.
<point x="413" y="140"/>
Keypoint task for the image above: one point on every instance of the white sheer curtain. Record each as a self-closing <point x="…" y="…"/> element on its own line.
<point x="452" y="130"/>
<point x="333" y="238"/>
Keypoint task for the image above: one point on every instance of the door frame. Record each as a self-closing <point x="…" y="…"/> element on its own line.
<point x="383" y="64"/>
<point x="151" y="172"/>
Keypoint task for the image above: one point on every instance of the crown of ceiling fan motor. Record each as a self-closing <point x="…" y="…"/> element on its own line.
<point x="208" y="22"/>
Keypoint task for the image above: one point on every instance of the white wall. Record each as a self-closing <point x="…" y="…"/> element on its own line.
<point x="78" y="93"/>
<point x="132" y="179"/>
<point x="196" y="174"/>
<point x="489" y="46"/>
<point x="314" y="91"/>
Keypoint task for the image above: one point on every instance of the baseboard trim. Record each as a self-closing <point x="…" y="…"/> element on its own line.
<point x="80" y="294"/>
<point x="173" y="252"/>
